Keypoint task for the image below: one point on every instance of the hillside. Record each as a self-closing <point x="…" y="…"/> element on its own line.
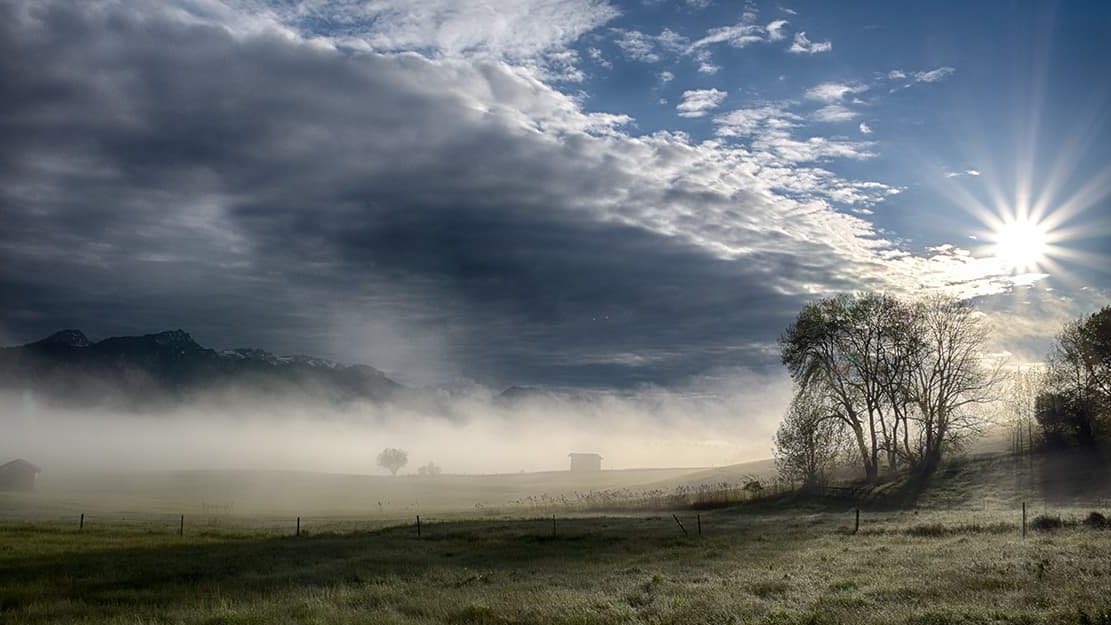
<point x="992" y="481"/>
<point x="169" y="367"/>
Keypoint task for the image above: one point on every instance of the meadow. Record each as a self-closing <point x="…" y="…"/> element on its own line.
<point x="956" y="558"/>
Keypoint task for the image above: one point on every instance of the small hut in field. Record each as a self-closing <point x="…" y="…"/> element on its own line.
<point x="584" y="462"/>
<point x="18" y="475"/>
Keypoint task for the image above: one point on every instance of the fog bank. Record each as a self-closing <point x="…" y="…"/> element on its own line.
<point x="721" y="419"/>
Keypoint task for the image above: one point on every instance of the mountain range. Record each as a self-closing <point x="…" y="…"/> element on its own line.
<point x="170" y="367"/>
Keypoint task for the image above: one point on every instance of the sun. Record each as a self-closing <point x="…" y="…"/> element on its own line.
<point x="1020" y="244"/>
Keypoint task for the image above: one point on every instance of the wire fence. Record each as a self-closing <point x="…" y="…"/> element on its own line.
<point x="687" y="512"/>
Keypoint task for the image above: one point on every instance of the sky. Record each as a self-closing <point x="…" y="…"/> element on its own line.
<point x="577" y="194"/>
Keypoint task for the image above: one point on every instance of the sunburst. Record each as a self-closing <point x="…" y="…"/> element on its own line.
<point x="1020" y="244"/>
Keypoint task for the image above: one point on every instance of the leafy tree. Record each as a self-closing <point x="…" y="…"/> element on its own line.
<point x="393" y="459"/>
<point x="809" y="441"/>
<point x="1075" y="406"/>
<point x="1064" y="420"/>
<point x="814" y="352"/>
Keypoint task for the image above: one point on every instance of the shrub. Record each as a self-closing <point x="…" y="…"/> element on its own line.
<point x="931" y="530"/>
<point x="1045" y="523"/>
<point x="1097" y="521"/>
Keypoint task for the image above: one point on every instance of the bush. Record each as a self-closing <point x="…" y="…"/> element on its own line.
<point x="931" y="530"/>
<point x="938" y="530"/>
<point x="1097" y="521"/>
<point x="1045" y="523"/>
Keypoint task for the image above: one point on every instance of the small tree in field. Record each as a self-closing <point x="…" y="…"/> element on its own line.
<point x="393" y="459"/>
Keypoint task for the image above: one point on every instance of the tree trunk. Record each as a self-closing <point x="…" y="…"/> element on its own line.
<point x="869" y="463"/>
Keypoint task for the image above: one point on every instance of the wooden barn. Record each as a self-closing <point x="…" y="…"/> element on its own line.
<point x="18" y="475"/>
<point x="581" y="462"/>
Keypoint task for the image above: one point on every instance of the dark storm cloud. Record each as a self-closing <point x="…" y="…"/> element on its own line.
<point x="260" y="190"/>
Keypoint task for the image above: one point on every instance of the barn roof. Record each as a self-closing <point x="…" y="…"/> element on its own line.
<point x="20" y="463"/>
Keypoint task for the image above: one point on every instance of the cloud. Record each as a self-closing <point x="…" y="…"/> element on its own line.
<point x="831" y="92"/>
<point x="665" y="76"/>
<point x="699" y="102"/>
<point x="500" y="28"/>
<point x="833" y="113"/>
<point x="934" y="75"/>
<point x="749" y="121"/>
<point x="865" y="129"/>
<point x="645" y="48"/>
<point x="967" y="172"/>
<point x="306" y="197"/>
<point x="705" y="62"/>
<point x="651" y="49"/>
<point x="775" y="30"/>
<point x="742" y="34"/>
<point x="790" y="149"/>
<point x="598" y="57"/>
<point x="927" y="76"/>
<point x="802" y="45"/>
<point x="638" y="46"/>
<point x="738" y="35"/>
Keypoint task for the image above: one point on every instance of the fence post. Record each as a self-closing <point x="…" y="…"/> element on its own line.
<point x="1024" y="520"/>
<point x="81" y="523"/>
<point x="181" y="527"/>
<point x="680" y="524"/>
<point x="298" y="526"/>
<point x="553" y="527"/>
<point x="699" y="524"/>
<point x="418" y="526"/>
<point x="856" y="528"/>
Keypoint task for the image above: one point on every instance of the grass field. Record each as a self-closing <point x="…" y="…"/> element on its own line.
<point x="784" y="561"/>
<point x="262" y="494"/>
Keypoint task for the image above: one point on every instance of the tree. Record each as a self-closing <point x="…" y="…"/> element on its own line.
<point x="393" y="459"/>
<point x="813" y="350"/>
<point x="857" y="351"/>
<point x="809" y="441"/>
<point x="902" y="379"/>
<point x="1063" y="420"/>
<point x="1075" y="406"/>
<point x="950" y="380"/>
<point x="1019" y="401"/>
<point x="430" y="470"/>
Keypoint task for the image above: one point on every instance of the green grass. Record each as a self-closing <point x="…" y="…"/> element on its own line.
<point x="749" y="567"/>
<point x="947" y="552"/>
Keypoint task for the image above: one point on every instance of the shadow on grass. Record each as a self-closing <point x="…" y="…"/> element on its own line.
<point x="1065" y="478"/>
<point x="95" y="573"/>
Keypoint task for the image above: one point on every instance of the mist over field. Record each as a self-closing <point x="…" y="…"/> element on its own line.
<point x="714" y="421"/>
